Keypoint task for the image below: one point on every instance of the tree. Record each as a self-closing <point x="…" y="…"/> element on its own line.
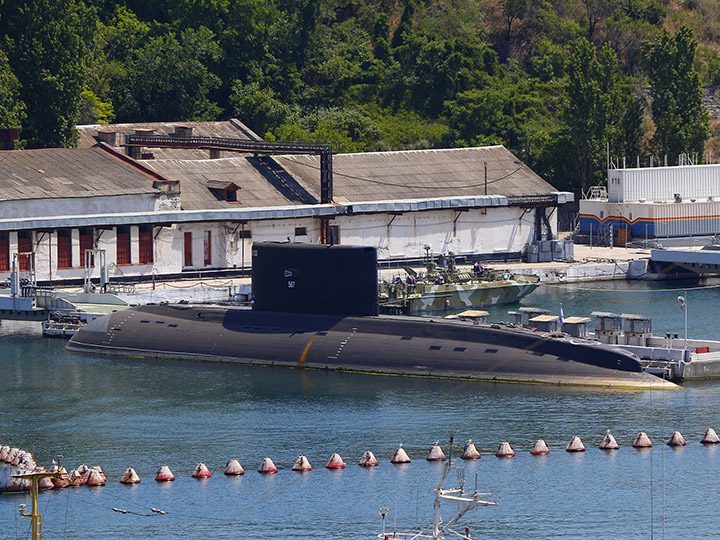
<point x="681" y="121"/>
<point x="12" y="109"/>
<point x="169" y="79"/>
<point x="599" y="110"/>
<point x="48" y="43"/>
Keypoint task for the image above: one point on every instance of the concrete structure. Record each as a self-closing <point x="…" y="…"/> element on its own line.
<point x="183" y="212"/>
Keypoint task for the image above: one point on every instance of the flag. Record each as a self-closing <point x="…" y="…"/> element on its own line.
<point x="562" y="316"/>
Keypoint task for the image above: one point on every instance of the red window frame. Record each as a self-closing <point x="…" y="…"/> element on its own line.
<point x="188" y="249"/>
<point x="64" y="249"/>
<point x="87" y="242"/>
<point x="207" y="245"/>
<point x="146" y="245"/>
<point x="123" y="245"/>
<point x="25" y="250"/>
<point x="4" y="252"/>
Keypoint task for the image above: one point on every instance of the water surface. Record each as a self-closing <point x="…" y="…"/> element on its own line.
<point x="120" y="412"/>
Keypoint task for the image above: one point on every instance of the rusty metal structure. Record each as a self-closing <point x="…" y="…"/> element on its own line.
<point x="135" y="143"/>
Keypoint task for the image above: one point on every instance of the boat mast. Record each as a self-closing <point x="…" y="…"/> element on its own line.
<point x="35" y="516"/>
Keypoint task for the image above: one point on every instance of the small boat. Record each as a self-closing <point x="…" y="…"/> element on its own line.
<point x="462" y="501"/>
<point x="63" y="326"/>
<point x="443" y="287"/>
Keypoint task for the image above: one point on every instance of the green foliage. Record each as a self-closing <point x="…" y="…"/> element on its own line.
<point x="258" y="107"/>
<point x="681" y="121"/>
<point x="371" y="75"/>
<point x="12" y="109"/>
<point x="599" y="111"/>
<point x="48" y="44"/>
<point x="93" y="110"/>
<point x="168" y="79"/>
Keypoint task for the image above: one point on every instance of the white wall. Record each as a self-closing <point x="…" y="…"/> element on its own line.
<point x="79" y="206"/>
<point x="476" y="231"/>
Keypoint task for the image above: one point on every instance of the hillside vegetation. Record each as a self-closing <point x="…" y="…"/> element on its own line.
<point x="555" y="81"/>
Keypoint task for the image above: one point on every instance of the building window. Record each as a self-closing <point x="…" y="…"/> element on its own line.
<point x="123" y="245"/>
<point x="245" y="234"/>
<point x="24" y="250"/>
<point x="146" y="245"/>
<point x="208" y="248"/>
<point x="188" y="249"/>
<point x="300" y="231"/>
<point x="64" y="248"/>
<point x="334" y="234"/>
<point x="231" y="195"/>
<point x="87" y="243"/>
<point x="4" y="252"/>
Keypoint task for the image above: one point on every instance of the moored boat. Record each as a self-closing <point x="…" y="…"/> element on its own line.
<point x="443" y="287"/>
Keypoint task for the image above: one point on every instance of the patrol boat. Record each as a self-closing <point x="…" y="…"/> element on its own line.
<point x="443" y="287"/>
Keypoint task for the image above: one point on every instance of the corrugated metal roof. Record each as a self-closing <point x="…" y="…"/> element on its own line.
<point x="420" y="174"/>
<point x="68" y="173"/>
<point x="261" y="182"/>
<point x="233" y="129"/>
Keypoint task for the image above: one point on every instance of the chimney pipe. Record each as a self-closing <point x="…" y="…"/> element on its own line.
<point x="8" y="137"/>
<point x="183" y="131"/>
<point x="107" y="136"/>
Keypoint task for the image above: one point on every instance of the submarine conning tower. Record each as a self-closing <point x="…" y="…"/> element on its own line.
<point x="314" y="279"/>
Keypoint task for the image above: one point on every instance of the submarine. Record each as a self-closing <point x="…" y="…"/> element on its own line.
<point x="316" y="307"/>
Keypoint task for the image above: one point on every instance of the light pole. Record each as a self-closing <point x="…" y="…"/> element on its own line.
<point x="682" y="300"/>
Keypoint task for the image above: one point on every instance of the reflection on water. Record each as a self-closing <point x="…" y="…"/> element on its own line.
<point x="120" y="412"/>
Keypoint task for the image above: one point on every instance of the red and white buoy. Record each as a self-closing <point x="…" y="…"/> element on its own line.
<point x="540" y="448"/>
<point x="27" y="461"/>
<point x="267" y="466"/>
<point x="335" y="462"/>
<point x="710" y="437"/>
<point x="164" y="474"/>
<point x="234" y="468"/>
<point x="368" y="459"/>
<point x="575" y="445"/>
<point x="61" y="481"/>
<point x="400" y="456"/>
<point x="609" y="442"/>
<point x="44" y="483"/>
<point x="12" y="455"/>
<point x="84" y="471"/>
<point x="470" y="451"/>
<point x="76" y="479"/>
<point x="676" y="439"/>
<point x="302" y="464"/>
<point x="95" y="478"/>
<point x="201" y="471"/>
<point x="130" y="477"/>
<point x="436" y="453"/>
<point x="505" y="450"/>
<point x="642" y="441"/>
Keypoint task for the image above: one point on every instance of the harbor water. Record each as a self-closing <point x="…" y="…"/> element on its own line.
<point x="122" y="412"/>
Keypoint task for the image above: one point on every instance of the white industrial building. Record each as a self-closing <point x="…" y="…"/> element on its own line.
<point x="653" y="202"/>
<point x="196" y="208"/>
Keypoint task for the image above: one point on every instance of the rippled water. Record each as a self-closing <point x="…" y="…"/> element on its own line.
<point x="120" y="412"/>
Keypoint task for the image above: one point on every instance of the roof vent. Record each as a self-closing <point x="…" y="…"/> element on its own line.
<point x="183" y="131"/>
<point x="144" y="131"/>
<point x="107" y="136"/>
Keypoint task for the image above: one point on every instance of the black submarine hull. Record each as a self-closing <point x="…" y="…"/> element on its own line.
<point x="369" y="344"/>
